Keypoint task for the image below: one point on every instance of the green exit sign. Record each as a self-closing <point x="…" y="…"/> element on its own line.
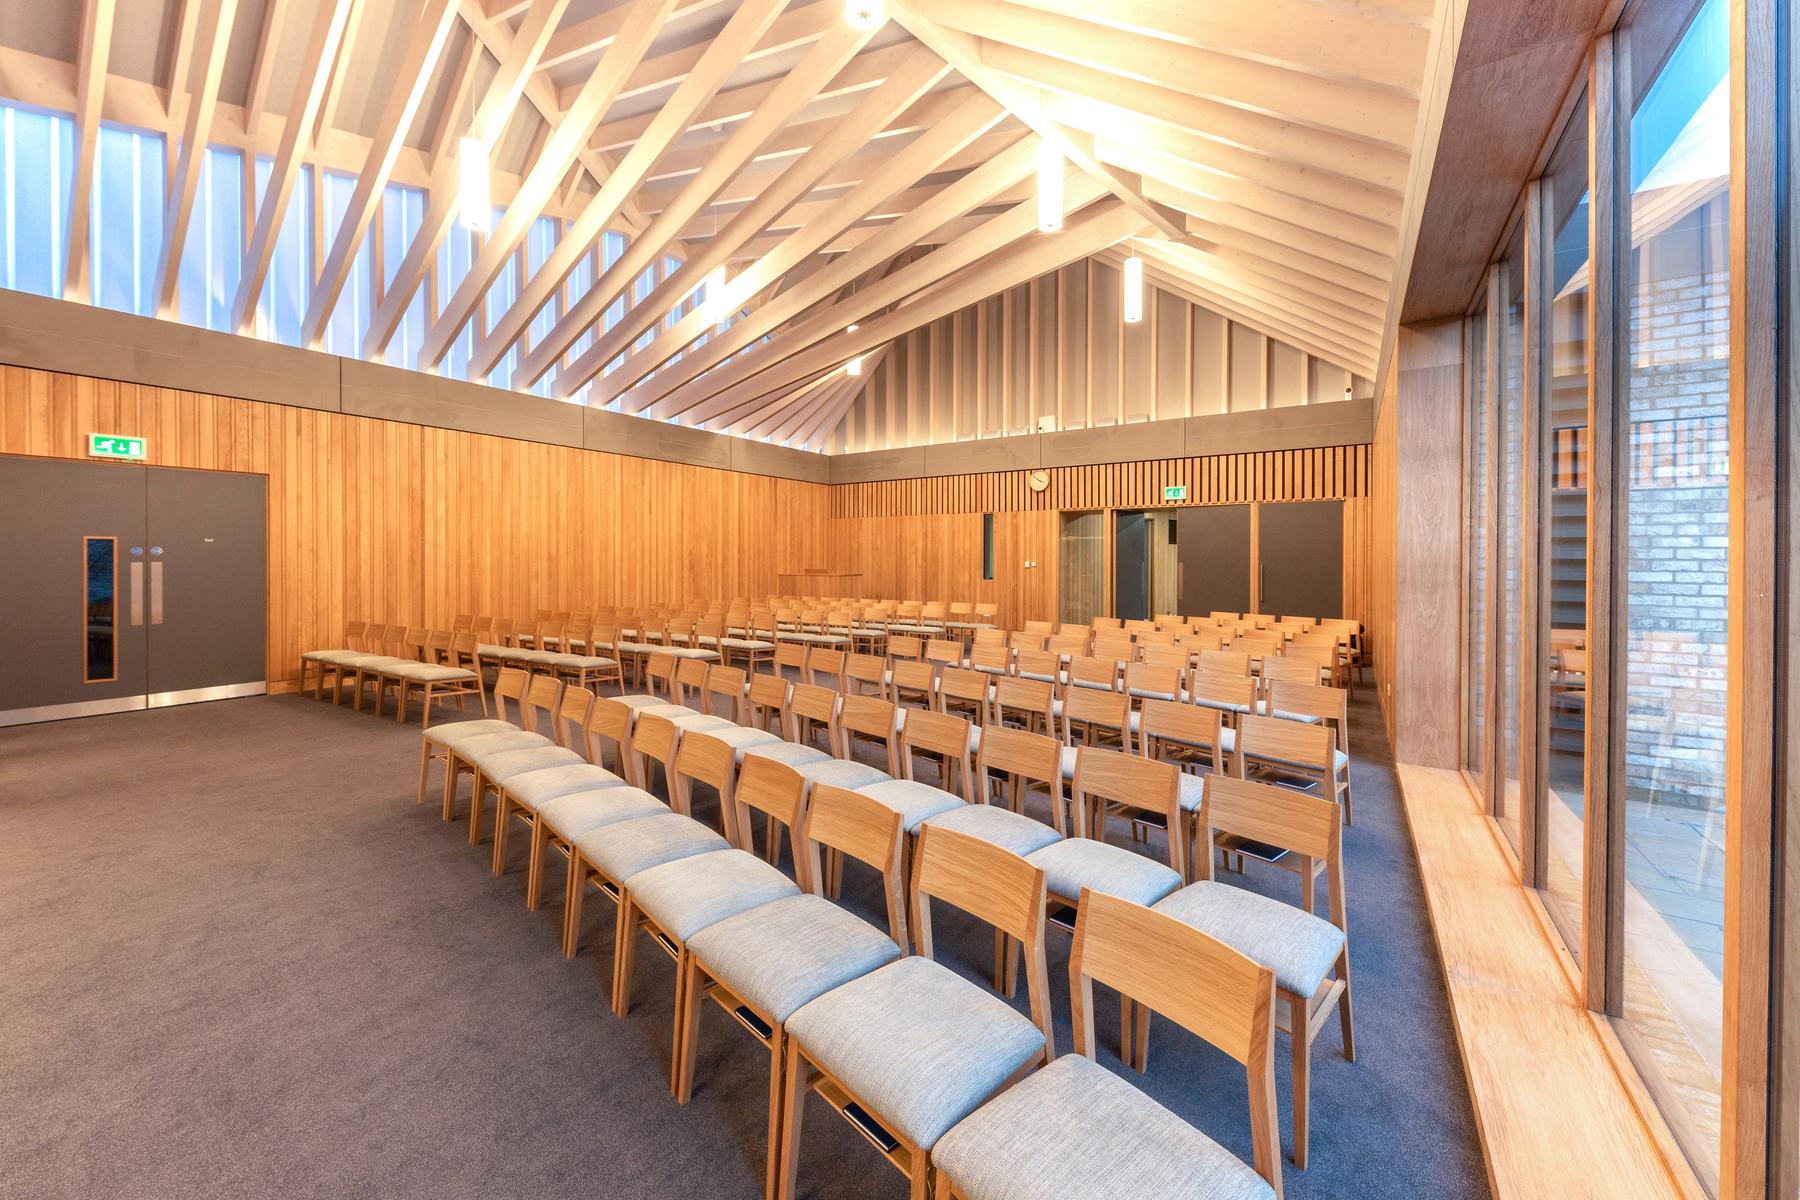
<point x="1173" y="494"/>
<point x="111" y="445"/>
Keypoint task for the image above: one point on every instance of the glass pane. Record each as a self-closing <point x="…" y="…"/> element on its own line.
<point x="1676" y="534"/>
<point x="402" y="214"/>
<point x="100" y="613"/>
<point x="127" y="219"/>
<point x="349" y="318"/>
<point x="1475" y="497"/>
<point x="1512" y="541"/>
<point x="36" y="162"/>
<point x="1563" y="469"/>
<point x="213" y="255"/>
<point x="288" y="285"/>
<point x="456" y="254"/>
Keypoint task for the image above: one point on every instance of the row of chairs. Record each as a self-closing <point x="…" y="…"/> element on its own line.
<point x="584" y="811"/>
<point x="437" y="664"/>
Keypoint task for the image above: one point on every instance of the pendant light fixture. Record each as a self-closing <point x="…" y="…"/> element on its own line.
<point x="475" y="210"/>
<point x="1049" y="187"/>
<point x="864" y="15"/>
<point x="1133" y="298"/>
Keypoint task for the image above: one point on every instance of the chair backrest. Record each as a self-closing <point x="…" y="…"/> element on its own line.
<point x="1038" y="664"/>
<point x="730" y="683"/>
<point x="1293" y="745"/>
<point x="1070" y="641"/>
<point x="1287" y="669"/>
<point x="1028" y="639"/>
<point x="868" y="717"/>
<point x="1308" y="826"/>
<point x="945" y="735"/>
<point x="610" y="719"/>
<point x="1031" y="700"/>
<point x="960" y="687"/>
<point x="1114" y="644"/>
<point x="1088" y="712"/>
<point x="1044" y="627"/>
<point x="654" y="738"/>
<point x="988" y="635"/>
<point x="1203" y="985"/>
<point x="809" y="705"/>
<point x="1147" y="680"/>
<point x="778" y="792"/>
<point x="690" y="682"/>
<point x="769" y="695"/>
<point x="790" y="654"/>
<point x="867" y="830"/>
<point x="1028" y="757"/>
<point x="1328" y="704"/>
<point x="993" y="885"/>
<point x="943" y="652"/>
<point x="1171" y="725"/>
<point x="540" y="697"/>
<point x="414" y="640"/>
<point x="1152" y="654"/>
<point x="865" y="670"/>
<point x="570" y="724"/>
<point x="1135" y="782"/>
<point x="463" y="646"/>
<point x="910" y="676"/>
<point x="902" y="645"/>
<point x="1234" y="692"/>
<point x="1093" y="672"/>
<point x="660" y="668"/>
<point x="510" y="684"/>
<point x="825" y="667"/>
<point x="992" y="659"/>
<point x="704" y="758"/>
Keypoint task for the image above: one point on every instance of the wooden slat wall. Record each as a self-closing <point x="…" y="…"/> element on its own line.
<point x="921" y="538"/>
<point x="386" y="521"/>
<point x="1057" y="348"/>
<point x="1322" y="473"/>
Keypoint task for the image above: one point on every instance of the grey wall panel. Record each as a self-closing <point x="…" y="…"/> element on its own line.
<point x="79" y="339"/>
<point x="393" y="394"/>
<point x="617" y="433"/>
<point x="1117" y="443"/>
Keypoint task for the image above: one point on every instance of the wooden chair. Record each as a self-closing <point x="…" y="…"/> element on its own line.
<point x="947" y="738"/>
<point x="901" y="646"/>
<point x="791" y="656"/>
<point x="1111" y="781"/>
<point x="1013" y="763"/>
<point x="917" y="1019"/>
<point x="867" y="718"/>
<point x="1029" y="703"/>
<point x="913" y="682"/>
<point x="535" y="695"/>
<point x="763" y="965"/>
<point x="1309" y="956"/>
<point x="713" y="757"/>
<point x="1274" y="749"/>
<point x="494" y="769"/>
<point x="767" y="702"/>
<point x="1093" y="672"/>
<point x="813" y="710"/>
<point x="1233" y="695"/>
<point x="964" y="691"/>
<point x="1041" y="665"/>
<point x="1158" y="965"/>
<point x="1113" y="644"/>
<point x="865" y="674"/>
<point x="942" y="653"/>
<point x="519" y="797"/>
<point x="689" y="689"/>
<point x="436" y="745"/>
<point x="661" y="669"/>
<point x="991" y="660"/>
<point x="322" y="661"/>
<point x="825" y="668"/>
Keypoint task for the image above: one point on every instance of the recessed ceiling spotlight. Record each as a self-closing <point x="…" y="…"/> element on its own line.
<point x="864" y="15"/>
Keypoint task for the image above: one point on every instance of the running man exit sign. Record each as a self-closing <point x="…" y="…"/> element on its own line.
<point x="111" y="445"/>
<point x="1174" y="494"/>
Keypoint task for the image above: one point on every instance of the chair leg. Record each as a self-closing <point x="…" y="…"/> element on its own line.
<point x="1140" y="1031"/>
<point x="534" y="868"/>
<point x="503" y="811"/>
<point x="424" y="767"/>
<point x="1302" y="1074"/>
<point x="477" y="801"/>
<point x="687" y="1029"/>
<point x="450" y="773"/>
<point x="1126" y="1045"/>
<point x="625" y="931"/>
<point x="793" y="1108"/>
<point x="777" y="1091"/>
<point x="574" y="889"/>
<point x="1344" y="1024"/>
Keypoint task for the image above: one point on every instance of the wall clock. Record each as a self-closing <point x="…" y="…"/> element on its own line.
<point x="1039" y="480"/>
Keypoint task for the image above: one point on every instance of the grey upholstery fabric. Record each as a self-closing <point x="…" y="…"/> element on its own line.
<point x="498" y="768"/>
<point x="331" y="656"/>
<point x="431" y="673"/>
<point x="741" y="643"/>
<point x="1075" y="863"/>
<point x="740" y="739"/>
<point x="703" y="723"/>
<point x="1003" y="827"/>
<point x="841" y="772"/>
<point x="458" y="732"/>
<point x="1291" y="942"/>
<point x="914" y="801"/>
<point x="373" y="662"/>
<point x="1339" y="760"/>
<point x="623" y="849"/>
<point x="1227" y="737"/>
<point x="785" y="953"/>
<point x="578" y="662"/>
<point x="918" y="1045"/>
<point x="1193" y="790"/>
<point x="663" y="708"/>
<point x="792" y="753"/>
<point x="639" y="701"/>
<point x="534" y="788"/>
<point x="688" y="894"/>
<point x="1076" y="1129"/>
<point x="574" y="814"/>
<point x="1262" y="709"/>
<point x="474" y="749"/>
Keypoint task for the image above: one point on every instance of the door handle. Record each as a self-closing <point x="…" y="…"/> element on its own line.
<point x="156" y="605"/>
<point x="137" y="593"/>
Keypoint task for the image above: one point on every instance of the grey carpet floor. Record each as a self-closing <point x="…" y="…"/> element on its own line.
<point x="236" y="960"/>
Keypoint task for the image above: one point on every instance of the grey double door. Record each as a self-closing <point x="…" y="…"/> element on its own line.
<point x="1285" y="559"/>
<point x="125" y="586"/>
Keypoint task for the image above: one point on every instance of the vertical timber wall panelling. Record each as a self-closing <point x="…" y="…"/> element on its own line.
<point x="1416" y="559"/>
<point x="1058" y="349"/>
<point x="921" y="538"/>
<point x="385" y="521"/>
